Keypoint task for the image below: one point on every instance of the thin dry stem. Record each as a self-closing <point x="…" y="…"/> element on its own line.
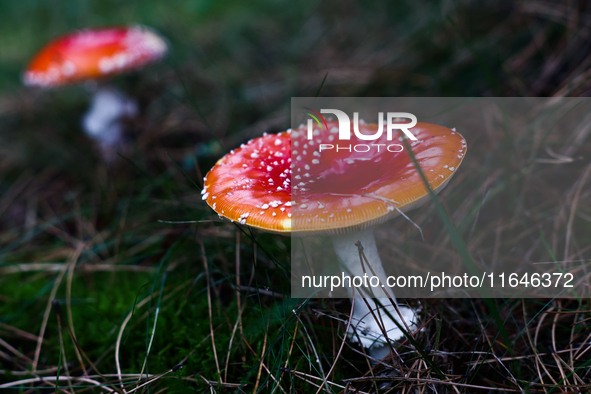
<point x="209" y="304"/>
<point x="56" y="285"/>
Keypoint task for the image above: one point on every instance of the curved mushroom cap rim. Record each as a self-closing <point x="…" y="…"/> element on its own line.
<point x="94" y="54"/>
<point x="377" y="206"/>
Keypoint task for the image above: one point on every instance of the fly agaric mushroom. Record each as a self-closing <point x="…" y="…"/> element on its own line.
<point x="287" y="184"/>
<point x="95" y="54"/>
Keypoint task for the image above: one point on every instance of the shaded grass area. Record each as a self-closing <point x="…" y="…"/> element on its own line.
<point x="130" y="253"/>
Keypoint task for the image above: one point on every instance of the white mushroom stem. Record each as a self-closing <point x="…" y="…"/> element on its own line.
<point x="103" y="121"/>
<point x="363" y="323"/>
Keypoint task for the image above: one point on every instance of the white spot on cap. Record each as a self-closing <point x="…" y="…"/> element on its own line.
<point x="69" y="68"/>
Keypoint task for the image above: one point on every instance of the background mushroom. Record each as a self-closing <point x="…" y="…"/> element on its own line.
<point x="342" y="194"/>
<point x="96" y="54"/>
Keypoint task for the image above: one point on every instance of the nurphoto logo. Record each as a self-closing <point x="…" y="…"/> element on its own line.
<point x="393" y="122"/>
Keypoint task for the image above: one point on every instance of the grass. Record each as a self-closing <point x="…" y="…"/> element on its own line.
<point x="118" y="277"/>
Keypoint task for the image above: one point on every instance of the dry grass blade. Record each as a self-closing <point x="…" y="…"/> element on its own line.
<point x="153" y="378"/>
<point x="62" y="347"/>
<point x="57" y="309"/>
<point x="43" y="379"/>
<point x="262" y="364"/>
<point x="574" y="205"/>
<point x="295" y="333"/>
<point x="128" y="318"/>
<point x="69" y="280"/>
<point x="557" y="359"/>
<point x="534" y="346"/>
<point x="238" y="323"/>
<point x="209" y="304"/>
<point x="457" y="385"/>
<point x="311" y="345"/>
<point x="14" y="351"/>
<point x="262" y="358"/>
<point x="57" y="267"/>
<point x="157" y="314"/>
<point x="340" y="348"/>
<point x="79" y="248"/>
<point x="18" y="331"/>
<point x="303" y="375"/>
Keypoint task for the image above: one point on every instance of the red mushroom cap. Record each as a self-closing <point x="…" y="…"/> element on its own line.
<point x="93" y="54"/>
<point x="333" y="192"/>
